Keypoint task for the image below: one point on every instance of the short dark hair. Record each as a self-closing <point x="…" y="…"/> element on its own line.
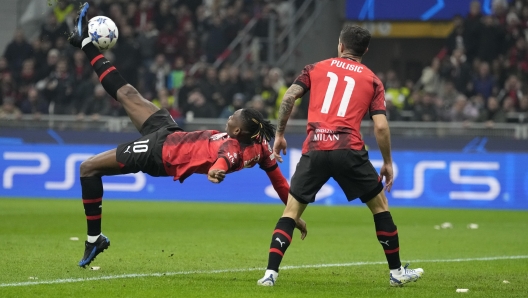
<point x="355" y="38"/>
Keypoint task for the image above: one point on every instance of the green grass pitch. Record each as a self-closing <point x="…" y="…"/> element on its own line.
<point x="172" y="249"/>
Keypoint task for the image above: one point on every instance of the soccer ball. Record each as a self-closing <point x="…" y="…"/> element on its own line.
<point x="103" y="32"/>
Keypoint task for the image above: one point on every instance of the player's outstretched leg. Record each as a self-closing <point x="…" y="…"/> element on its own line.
<point x="92" y="196"/>
<point x="138" y="108"/>
<point x="387" y="234"/>
<point x="281" y="239"/>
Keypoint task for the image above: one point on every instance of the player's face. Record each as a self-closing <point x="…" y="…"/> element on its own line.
<point x="234" y="124"/>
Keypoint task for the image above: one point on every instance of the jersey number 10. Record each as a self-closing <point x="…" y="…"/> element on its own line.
<point x="351" y="83"/>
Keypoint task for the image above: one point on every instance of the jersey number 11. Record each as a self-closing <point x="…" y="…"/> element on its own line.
<point x="351" y="83"/>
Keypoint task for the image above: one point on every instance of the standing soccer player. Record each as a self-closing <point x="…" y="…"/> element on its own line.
<point x="342" y="91"/>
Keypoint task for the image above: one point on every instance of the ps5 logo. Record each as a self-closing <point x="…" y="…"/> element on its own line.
<point x="42" y="165"/>
<point x="476" y="180"/>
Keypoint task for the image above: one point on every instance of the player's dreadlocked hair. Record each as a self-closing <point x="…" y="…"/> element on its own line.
<point x="259" y="128"/>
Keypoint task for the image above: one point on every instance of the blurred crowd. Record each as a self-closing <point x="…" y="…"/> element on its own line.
<point x="477" y="77"/>
<point x="167" y="49"/>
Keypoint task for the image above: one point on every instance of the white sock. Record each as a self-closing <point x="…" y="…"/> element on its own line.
<point x="86" y="41"/>
<point x="92" y="239"/>
<point x="273" y="273"/>
<point x="398" y="271"/>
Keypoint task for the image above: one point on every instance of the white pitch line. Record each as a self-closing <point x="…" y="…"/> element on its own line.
<point x="136" y="275"/>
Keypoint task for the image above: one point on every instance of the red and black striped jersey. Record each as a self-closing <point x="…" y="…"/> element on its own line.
<point x="186" y="153"/>
<point x="342" y="91"/>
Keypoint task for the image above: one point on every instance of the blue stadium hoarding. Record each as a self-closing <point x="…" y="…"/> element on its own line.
<point x="410" y="10"/>
<point x="423" y="179"/>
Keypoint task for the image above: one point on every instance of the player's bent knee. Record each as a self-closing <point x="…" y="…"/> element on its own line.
<point x="127" y="91"/>
<point x="378" y="204"/>
<point x="88" y="168"/>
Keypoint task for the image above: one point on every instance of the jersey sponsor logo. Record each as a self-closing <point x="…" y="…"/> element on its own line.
<point x="346" y="66"/>
<point x="325" y="135"/>
<point x="321" y="137"/>
<point x="250" y="163"/>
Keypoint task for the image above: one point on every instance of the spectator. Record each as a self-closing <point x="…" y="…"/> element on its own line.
<point x="34" y="104"/>
<point x="425" y="109"/>
<point x="50" y="64"/>
<point x="472" y="25"/>
<point x="168" y="42"/>
<point x="64" y="47"/>
<point x="248" y="83"/>
<point x="268" y="95"/>
<point x="258" y="104"/>
<point x="523" y="105"/>
<point x="493" y="113"/>
<point x="192" y="52"/>
<point x="393" y="113"/>
<point x="215" y="42"/>
<point x="226" y="90"/>
<point x="189" y="85"/>
<point x="27" y="76"/>
<point x="147" y="39"/>
<point x="144" y="14"/>
<point x="18" y="51"/>
<point x="518" y="58"/>
<point x="8" y="110"/>
<point x="457" y="70"/>
<point x="198" y="106"/>
<point x="157" y="74"/>
<point x="52" y="29"/>
<point x="483" y="82"/>
<point x="491" y="39"/>
<point x="167" y="101"/>
<point x="232" y="24"/>
<point x="456" y="39"/>
<point x="97" y="106"/>
<point x="58" y="88"/>
<point x="164" y="15"/>
<point x="62" y="10"/>
<point x="209" y="84"/>
<point x="40" y="53"/>
<point x="512" y="89"/>
<point x="127" y="55"/>
<point x="81" y="68"/>
<point x="430" y="81"/>
<point x="237" y="103"/>
<point x="177" y="75"/>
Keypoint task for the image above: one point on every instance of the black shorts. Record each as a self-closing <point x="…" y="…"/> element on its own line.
<point x="351" y="169"/>
<point x="144" y="154"/>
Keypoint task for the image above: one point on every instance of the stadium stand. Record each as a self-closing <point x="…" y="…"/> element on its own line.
<point x="177" y="54"/>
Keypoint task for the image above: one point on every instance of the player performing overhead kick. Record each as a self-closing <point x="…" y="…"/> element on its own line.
<point x="164" y="148"/>
<point x="342" y="91"/>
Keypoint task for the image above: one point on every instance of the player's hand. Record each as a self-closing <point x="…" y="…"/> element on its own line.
<point x="387" y="172"/>
<point x="216" y="176"/>
<point x="278" y="145"/>
<point x="301" y="225"/>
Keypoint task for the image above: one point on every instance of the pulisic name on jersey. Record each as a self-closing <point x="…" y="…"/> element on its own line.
<point x="346" y="66"/>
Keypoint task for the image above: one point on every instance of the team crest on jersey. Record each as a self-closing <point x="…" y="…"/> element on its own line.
<point x="218" y="136"/>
